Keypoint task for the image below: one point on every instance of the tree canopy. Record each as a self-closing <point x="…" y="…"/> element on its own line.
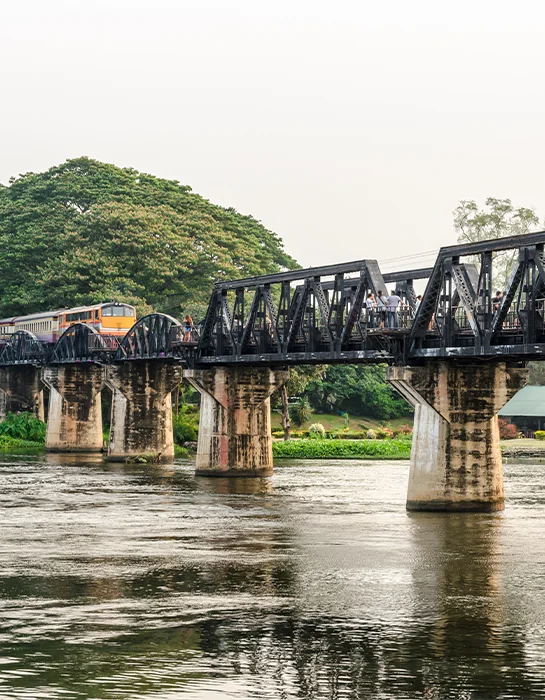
<point x="498" y="219"/>
<point x="85" y="232"/>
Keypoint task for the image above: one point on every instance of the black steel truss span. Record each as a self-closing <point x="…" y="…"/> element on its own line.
<point x="320" y="314"/>
<point x="306" y="316"/>
<point x="459" y="315"/>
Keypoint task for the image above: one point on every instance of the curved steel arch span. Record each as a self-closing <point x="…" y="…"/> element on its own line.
<point x="23" y="348"/>
<point x="82" y="343"/>
<point x="152" y="337"/>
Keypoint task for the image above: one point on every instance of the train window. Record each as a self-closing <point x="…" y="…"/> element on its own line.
<point x="117" y="310"/>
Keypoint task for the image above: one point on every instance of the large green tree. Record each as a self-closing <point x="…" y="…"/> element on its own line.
<point x="87" y="231"/>
<point x="361" y="390"/>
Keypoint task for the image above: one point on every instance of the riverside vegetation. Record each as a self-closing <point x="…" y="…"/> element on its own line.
<point x="22" y="433"/>
<point x="397" y="448"/>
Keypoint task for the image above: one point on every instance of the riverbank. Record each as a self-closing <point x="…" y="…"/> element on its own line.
<point x="9" y="445"/>
<point x="523" y="449"/>
<point x="342" y="449"/>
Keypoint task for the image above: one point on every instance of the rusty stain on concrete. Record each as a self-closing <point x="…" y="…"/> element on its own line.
<point x="235" y="423"/>
<point x="75" y="412"/>
<point x="142" y="409"/>
<point x="21" y="389"/>
<point x="456" y="459"/>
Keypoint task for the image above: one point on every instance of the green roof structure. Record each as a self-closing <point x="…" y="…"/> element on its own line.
<point x="529" y="401"/>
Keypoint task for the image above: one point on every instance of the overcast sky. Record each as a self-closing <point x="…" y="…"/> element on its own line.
<point x="351" y="128"/>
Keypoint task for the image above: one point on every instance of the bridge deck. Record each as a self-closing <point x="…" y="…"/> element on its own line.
<point x="322" y="315"/>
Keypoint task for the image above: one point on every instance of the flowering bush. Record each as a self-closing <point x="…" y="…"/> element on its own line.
<point x="371" y="434"/>
<point x="384" y="433"/>
<point x="508" y="431"/>
<point x="316" y="431"/>
<point x="403" y="430"/>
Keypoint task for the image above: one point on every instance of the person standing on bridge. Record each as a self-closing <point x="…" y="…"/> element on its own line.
<point x="381" y="307"/>
<point x="393" y="315"/>
<point x="188" y="328"/>
<point x="498" y="300"/>
<point x="370" y="305"/>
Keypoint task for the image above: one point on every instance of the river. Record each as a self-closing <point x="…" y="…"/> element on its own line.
<point x="144" y="582"/>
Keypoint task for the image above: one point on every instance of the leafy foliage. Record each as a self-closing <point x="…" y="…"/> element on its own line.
<point x="316" y="431"/>
<point x="540" y="434"/>
<point x="497" y="219"/>
<point x="87" y="231"/>
<point x="185" y="426"/>
<point x="23" y="426"/>
<point x="17" y="446"/>
<point x="536" y="373"/>
<point x="508" y="431"/>
<point x="348" y="449"/>
<point x="301" y="411"/>
<point x="358" y="389"/>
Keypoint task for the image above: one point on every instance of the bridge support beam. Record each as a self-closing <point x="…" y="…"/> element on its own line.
<point x="142" y="410"/>
<point x="235" y="424"/>
<point x="74" y="421"/>
<point x="456" y="460"/>
<point x="21" y="389"/>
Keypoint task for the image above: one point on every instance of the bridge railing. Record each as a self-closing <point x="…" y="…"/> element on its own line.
<point x="180" y="336"/>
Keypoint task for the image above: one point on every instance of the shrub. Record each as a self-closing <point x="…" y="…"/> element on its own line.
<point x="539" y="435"/>
<point x="348" y="449"/>
<point x="16" y="446"/>
<point x="184" y="426"/>
<point x="300" y="411"/>
<point x="351" y="435"/>
<point x="508" y="431"/>
<point x="371" y="434"/>
<point x="316" y="431"/>
<point x="23" y="426"/>
<point x="403" y="430"/>
<point x="384" y="433"/>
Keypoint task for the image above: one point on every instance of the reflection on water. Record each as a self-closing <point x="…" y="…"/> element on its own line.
<point x="124" y="581"/>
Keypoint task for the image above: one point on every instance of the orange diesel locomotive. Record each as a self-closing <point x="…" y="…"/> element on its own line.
<point x="108" y="319"/>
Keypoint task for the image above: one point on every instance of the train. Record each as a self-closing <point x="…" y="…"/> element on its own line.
<point x="109" y="319"/>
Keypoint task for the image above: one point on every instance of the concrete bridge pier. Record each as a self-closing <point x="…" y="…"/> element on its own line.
<point x="21" y="389"/>
<point x="456" y="460"/>
<point x="74" y="421"/>
<point x="235" y="424"/>
<point x="142" y="409"/>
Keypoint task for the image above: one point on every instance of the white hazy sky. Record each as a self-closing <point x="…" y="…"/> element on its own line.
<point x="351" y="128"/>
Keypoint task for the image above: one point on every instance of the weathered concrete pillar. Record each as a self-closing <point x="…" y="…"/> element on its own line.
<point x="235" y="423"/>
<point x="21" y="389"/>
<point x="142" y="409"/>
<point x="456" y="459"/>
<point x="74" y="421"/>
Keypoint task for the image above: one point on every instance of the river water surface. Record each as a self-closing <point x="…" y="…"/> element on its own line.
<point x="139" y="582"/>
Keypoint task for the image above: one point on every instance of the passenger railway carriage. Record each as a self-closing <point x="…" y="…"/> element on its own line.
<point x="108" y="319"/>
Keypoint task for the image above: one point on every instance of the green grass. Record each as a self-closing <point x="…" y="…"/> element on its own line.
<point x="9" y="445"/>
<point x="333" y="422"/>
<point x="523" y="442"/>
<point x="342" y="449"/>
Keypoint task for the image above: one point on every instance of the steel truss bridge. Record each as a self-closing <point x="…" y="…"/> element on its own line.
<point x="319" y="315"/>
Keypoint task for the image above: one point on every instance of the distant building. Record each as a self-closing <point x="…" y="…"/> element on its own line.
<point x="526" y="409"/>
